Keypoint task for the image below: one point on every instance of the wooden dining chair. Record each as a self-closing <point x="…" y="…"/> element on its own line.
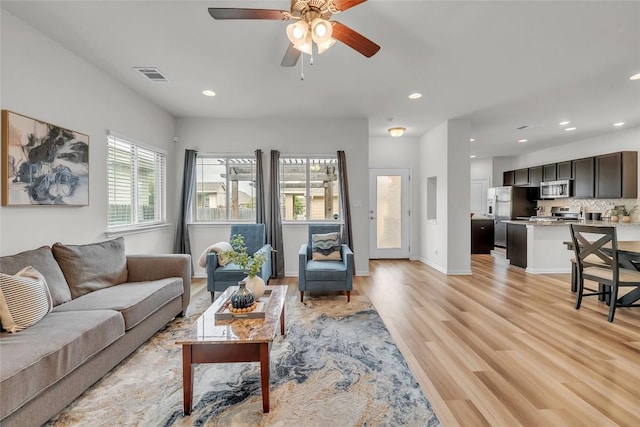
<point x="596" y="253"/>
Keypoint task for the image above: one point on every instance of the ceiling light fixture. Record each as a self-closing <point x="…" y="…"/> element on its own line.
<point x="208" y="92"/>
<point x="569" y="129"/>
<point x="415" y="95"/>
<point x="523" y="140"/>
<point x="471" y="140"/>
<point x="396" y="131"/>
<point x="308" y="30"/>
<point x="473" y="156"/>
<point x="564" y="123"/>
<point x="635" y="77"/>
<point x="619" y="124"/>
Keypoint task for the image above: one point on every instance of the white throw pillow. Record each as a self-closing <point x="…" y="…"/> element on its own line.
<point x="218" y="248"/>
<point x="24" y="299"/>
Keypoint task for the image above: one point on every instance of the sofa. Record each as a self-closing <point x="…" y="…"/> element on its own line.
<point x="104" y="305"/>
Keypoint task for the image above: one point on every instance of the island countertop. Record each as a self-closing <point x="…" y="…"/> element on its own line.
<point x="563" y="223"/>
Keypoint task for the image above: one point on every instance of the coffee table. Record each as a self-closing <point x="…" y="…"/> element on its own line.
<point x="233" y="340"/>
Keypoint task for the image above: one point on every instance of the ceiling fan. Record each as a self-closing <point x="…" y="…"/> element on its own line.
<point x="312" y="26"/>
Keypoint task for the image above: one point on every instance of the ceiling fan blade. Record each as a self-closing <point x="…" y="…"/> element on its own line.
<point x="343" y="5"/>
<point x="354" y="40"/>
<point x="237" y="13"/>
<point x="291" y="56"/>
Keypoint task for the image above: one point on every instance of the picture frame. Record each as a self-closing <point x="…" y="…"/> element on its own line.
<point x="43" y="164"/>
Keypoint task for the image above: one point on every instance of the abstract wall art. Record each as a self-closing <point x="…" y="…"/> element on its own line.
<point x="43" y="164"/>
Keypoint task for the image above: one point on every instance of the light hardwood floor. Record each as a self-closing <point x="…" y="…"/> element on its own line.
<point x="507" y="348"/>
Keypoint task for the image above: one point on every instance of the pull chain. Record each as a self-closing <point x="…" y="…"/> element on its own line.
<point x="302" y="66"/>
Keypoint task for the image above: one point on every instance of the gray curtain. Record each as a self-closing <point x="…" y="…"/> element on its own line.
<point x="261" y="210"/>
<point x="346" y="205"/>
<point x="274" y="227"/>
<point x="182" y="244"/>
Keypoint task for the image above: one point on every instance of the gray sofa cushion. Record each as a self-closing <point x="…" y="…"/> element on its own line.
<point x="91" y="267"/>
<point x="136" y="300"/>
<point x="42" y="260"/>
<point x="50" y="349"/>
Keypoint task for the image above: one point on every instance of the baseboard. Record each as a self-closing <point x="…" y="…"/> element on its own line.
<point x="548" y="271"/>
<point x="442" y="270"/>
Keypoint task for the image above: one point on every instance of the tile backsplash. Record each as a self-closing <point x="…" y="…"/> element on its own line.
<point x="592" y="205"/>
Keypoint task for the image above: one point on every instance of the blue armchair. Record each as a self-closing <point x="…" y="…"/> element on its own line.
<point x="220" y="277"/>
<point x="325" y="275"/>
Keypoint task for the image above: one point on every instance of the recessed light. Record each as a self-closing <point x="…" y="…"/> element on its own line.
<point x="619" y="124"/>
<point x="564" y="123"/>
<point x="635" y="77"/>
<point x="523" y="140"/>
<point x="208" y="92"/>
<point x="569" y="129"/>
<point x="473" y="156"/>
<point x="415" y="95"/>
<point x="471" y="140"/>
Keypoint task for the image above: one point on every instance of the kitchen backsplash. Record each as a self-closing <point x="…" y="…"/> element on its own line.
<point x="592" y="205"/>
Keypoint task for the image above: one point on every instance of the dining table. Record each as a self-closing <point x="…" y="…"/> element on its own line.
<point x="628" y="257"/>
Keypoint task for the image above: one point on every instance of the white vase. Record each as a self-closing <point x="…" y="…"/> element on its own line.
<point x="256" y="284"/>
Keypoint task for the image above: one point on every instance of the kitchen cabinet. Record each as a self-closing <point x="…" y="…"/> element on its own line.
<point x="564" y="170"/>
<point x="535" y="176"/>
<point x="549" y="172"/>
<point x="508" y="178"/>
<point x="616" y="175"/>
<point x="517" y="244"/>
<point x="521" y="177"/>
<point x="584" y="178"/>
<point x="481" y="236"/>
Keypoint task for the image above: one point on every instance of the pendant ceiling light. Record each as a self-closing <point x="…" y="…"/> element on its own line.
<point x="302" y="34"/>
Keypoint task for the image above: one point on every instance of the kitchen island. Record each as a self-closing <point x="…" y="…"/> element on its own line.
<point x="545" y="251"/>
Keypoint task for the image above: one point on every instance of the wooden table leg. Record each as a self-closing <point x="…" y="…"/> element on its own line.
<point x="264" y="375"/>
<point x="187" y="378"/>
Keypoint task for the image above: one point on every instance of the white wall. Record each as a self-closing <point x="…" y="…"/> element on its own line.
<point x="41" y="79"/>
<point x="401" y="153"/>
<point x="289" y="136"/>
<point x="446" y="242"/>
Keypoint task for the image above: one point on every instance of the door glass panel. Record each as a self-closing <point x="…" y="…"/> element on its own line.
<point x="389" y="212"/>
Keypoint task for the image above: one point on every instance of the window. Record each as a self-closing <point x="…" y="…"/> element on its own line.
<point x="225" y="188"/>
<point x="309" y="188"/>
<point x="136" y="177"/>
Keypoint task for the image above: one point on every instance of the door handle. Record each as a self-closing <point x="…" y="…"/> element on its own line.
<point x="372" y="217"/>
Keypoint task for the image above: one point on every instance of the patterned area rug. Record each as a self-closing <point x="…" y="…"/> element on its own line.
<point x="336" y="365"/>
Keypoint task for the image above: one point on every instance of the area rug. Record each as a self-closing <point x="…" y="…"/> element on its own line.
<point x="336" y="365"/>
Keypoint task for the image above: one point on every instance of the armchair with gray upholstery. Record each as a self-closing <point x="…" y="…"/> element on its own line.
<point x="220" y="277"/>
<point x="324" y="275"/>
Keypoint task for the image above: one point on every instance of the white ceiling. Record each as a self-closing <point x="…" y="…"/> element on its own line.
<point x="501" y="64"/>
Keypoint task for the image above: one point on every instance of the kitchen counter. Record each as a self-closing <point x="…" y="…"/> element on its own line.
<point x="564" y="223"/>
<point x="545" y="251"/>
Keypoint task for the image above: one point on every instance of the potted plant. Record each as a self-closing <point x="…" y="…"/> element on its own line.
<point x="626" y="213"/>
<point x="250" y="264"/>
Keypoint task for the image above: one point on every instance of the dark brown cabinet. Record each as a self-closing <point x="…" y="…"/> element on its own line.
<point x="583" y="178"/>
<point x="535" y="176"/>
<point x="564" y="170"/>
<point x="522" y="177"/>
<point x="517" y="244"/>
<point x="549" y="172"/>
<point x="508" y="178"/>
<point x="481" y="236"/>
<point x="616" y="175"/>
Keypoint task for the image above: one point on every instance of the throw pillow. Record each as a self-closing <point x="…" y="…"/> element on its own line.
<point x="219" y="248"/>
<point x="24" y="299"/>
<point x="91" y="267"/>
<point x="326" y="247"/>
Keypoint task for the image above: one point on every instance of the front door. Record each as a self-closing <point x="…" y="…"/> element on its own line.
<point x="389" y="213"/>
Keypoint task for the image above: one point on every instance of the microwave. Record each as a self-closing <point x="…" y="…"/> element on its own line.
<point x="555" y="189"/>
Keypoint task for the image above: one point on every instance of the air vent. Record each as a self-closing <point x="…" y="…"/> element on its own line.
<point x="152" y="74"/>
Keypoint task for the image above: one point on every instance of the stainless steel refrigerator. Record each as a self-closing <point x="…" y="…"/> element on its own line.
<point x="508" y="203"/>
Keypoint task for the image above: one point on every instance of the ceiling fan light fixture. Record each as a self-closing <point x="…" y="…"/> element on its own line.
<point x="305" y="45"/>
<point x="321" y="30"/>
<point x="297" y="32"/>
<point x="326" y="45"/>
<point x="396" y="131"/>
